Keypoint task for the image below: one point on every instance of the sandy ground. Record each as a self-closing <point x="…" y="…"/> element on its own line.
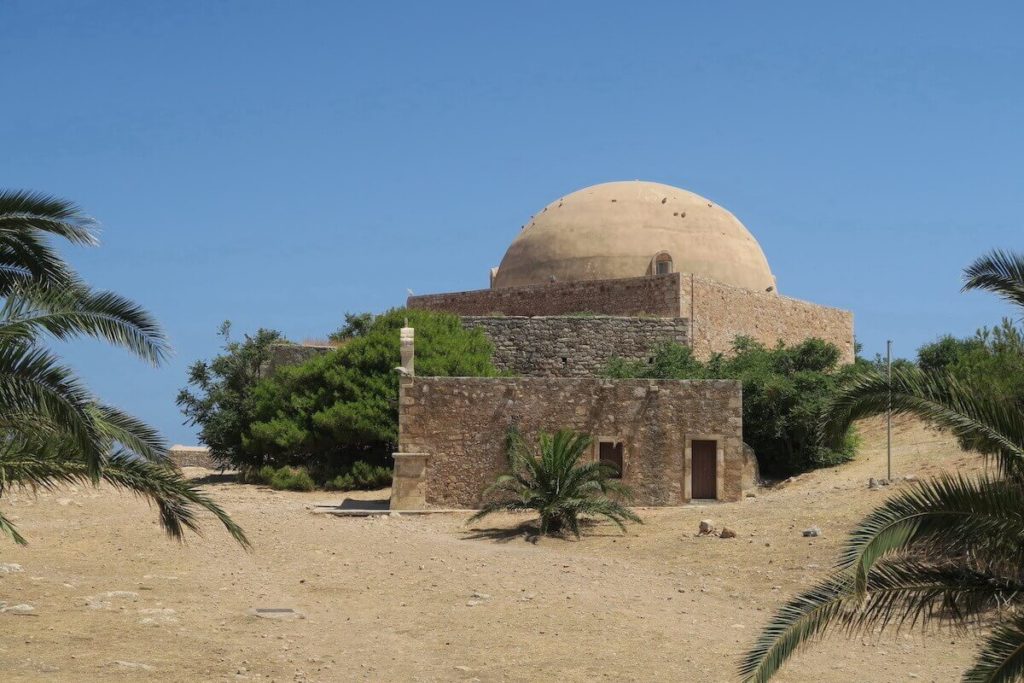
<point x="430" y="599"/>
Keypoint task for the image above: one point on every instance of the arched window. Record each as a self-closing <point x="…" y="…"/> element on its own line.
<point x="662" y="264"/>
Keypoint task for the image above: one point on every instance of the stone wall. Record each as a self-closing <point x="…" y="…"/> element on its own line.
<point x="460" y="424"/>
<point x="574" y="346"/>
<point x="191" y="456"/>
<point x="650" y="295"/>
<point x="721" y="313"/>
<point x="287" y="353"/>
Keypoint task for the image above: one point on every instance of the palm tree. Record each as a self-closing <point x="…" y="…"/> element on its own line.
<point x="948" y="551"/>
<point x="556" y="485"/>
<point x="52" y="429"/>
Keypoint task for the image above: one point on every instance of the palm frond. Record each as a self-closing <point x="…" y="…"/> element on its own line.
<point x="900" y="591"/>
<point x="32" y="381"/>
<point x="556" y="484"/>
<point x="47" y="465"/>
<point x="8" y="529"/>
<point x="1001" y="660"/>
<point x="75" y="311"/>
<point x="937" y="397"/>
<point x="1000" y="272"/>
<point x="19" y="208"/>
<point x="950" y="515"/>
<point x="129" y="431"/>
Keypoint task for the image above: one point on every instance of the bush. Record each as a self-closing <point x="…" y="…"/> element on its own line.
<point x="219" y="396"/>
<point x="363" y="476"/>
<point x="342" y="407"/>
<point x="784" y="391"/>
<point x="281" y="479"/>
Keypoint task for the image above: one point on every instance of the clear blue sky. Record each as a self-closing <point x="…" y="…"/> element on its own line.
<point x="280" y="163"/>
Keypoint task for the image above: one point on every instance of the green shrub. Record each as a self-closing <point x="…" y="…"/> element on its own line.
<point x="219" y="396"/>
<point x="342" y="482"/>
<point x="367" y="476"/>
<point x="361" y="475"/>
<point x="785" y="389"/>
<point x="342" y="407"/>
<point x="292" y="479"/>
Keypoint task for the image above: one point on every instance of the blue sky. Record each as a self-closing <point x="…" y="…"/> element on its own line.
<point x="278" y="164"/>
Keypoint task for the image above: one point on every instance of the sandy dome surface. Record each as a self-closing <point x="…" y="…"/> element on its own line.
<point x="615" y="230"/>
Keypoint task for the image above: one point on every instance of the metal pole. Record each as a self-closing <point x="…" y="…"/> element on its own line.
<point x="888" y="411"/>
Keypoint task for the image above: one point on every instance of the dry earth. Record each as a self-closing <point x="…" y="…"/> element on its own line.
<point x="429" y="599"/>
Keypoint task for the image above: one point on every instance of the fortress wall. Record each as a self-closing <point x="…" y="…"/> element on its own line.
<point x="460" y="425"/>
<point x="650" y="295"/>
<point x="720" y="313"/>
<point x="574" y="346"/>
<point x="287" y="353"/>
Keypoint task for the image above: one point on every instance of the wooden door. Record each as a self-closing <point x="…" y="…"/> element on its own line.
<point x="703" y="469"/>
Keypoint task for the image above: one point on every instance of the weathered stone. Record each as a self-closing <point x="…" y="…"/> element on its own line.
<point x="464" y="440"/>
<point x="706" y="527"/>
<point x="574" y="346"/>
<point x="811" y="532"/>
<point x="727" y="533"/>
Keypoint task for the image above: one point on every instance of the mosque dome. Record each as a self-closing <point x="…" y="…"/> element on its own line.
<point x="632" y="229"/>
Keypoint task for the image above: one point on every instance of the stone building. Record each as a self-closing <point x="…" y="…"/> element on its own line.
<point x="613" y="270"/>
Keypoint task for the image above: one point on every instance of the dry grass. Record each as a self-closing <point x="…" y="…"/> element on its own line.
<point x="393" y="599"/>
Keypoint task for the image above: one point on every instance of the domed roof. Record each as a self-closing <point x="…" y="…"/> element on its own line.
<point x="616" y="230"/>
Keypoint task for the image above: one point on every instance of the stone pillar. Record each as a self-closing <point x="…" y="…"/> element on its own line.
<point x="409" y="481"/>
<point x="408" y="343"/>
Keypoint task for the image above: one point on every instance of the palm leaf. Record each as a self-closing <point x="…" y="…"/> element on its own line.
<point x="999" y="272"/>
<point x="1001" y="660"/>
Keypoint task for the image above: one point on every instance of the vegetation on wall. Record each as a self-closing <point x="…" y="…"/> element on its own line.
<point x="785" y="389"/>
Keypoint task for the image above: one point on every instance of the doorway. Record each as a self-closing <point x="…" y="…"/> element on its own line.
<point x="703" y="469"/>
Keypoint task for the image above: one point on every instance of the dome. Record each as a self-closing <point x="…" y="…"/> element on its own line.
<point x="631" y="229"/>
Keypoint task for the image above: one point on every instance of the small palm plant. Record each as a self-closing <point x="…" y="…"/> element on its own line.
<point x="554" y="483"/>
<point x="52" y="429"/>
<point x="947" y="551"/>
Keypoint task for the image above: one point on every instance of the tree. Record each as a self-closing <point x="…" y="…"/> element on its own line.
<point x="342" y="406"/>
<point x="947" y="551"/>
<point x="556" y="485"/>
<point x="784" y="391"/>
<point x="52" y="429"/>
<point x="220" y="399"/>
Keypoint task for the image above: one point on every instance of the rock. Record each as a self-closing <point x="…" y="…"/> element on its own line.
<point x="910" y="477"/>
<point x="480" y="596"/>
<point x="706" y="527"/>
<point x="474" y="603"/>
<point x="23" y="608"/>
<point x="727" y="533"/>
<point x="812" y="532"/>
<point x="132" y="665"/>
<point x="872" y="483"/>
<point x="283" y="613"/>
<point x="9" y="568"/>
<point x="105" y="600"/>
<point x="750" y="494"/>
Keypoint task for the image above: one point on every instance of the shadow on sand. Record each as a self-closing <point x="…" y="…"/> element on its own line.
<point x="217" y="478"/>
<point x="530" y="532"/>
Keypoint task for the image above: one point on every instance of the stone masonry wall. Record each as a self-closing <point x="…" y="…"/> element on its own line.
<point x="720" y="313"/>
<point x="461" y="424"/>
<point x="650" y="295"/>
<point x="287" y="353"/>
<point x="574" y="346"/>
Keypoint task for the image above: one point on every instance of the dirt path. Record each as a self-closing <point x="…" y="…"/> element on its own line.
<point x="429" y="599"/>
